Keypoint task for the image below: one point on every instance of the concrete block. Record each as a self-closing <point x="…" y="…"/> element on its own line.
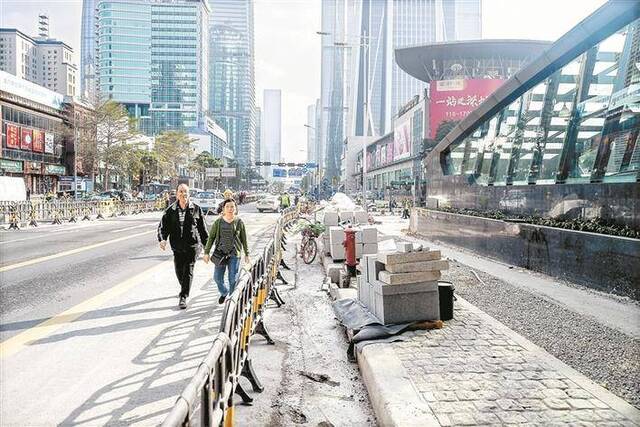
<point x="369" y="234"/>
<point x="359" y="236"/>
<point x="374" y="267"/>
<point x="336" y="235"/>
<point x="346" y="216"/>
<point x="405" y="303"/>
<point x="337" y="251"/>
<point x="369" y="249"/>
<point x="333" y="272"/>
<point x="358" y="250"/>
<point x="404" y="247"/>
<point x="404" y="278"/>
<point x="331" y="218"/>
<point x="389" y="258"/>
<point x="411" y="267"/>
<point x="364" y="292"/>
<point x="360" y="217"/>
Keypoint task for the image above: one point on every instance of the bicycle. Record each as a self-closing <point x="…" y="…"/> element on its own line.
<point x="309" y="247"/>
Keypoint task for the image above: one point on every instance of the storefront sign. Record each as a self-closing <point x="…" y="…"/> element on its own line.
<point x="48" y="142"/>
<point x="13" y="136"/>
<point x="38" y="141"/>
<point x="26" y="142"/>
<point x="453" y="100"/>
<point x="54" y="169"/>
<point x="30" y="91"/>
<point x="11" y="166"/>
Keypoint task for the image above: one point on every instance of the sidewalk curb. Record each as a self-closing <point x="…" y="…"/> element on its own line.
<point x="394" y="399"/>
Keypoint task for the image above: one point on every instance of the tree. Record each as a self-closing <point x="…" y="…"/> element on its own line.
<point x="114" y="131"/>
<point x="173" y="149"/>
<point x="203" y="161"/>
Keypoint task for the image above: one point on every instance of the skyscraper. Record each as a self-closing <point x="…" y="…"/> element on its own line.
<point x="338" y="27"/>
<point x="232" y="76"/>
<point x="271" y="124"/>
<point x="88" y="50"/>
<point x="153" y="58"/>
<point x="357" y="65"/>
<point x="429" y="21"/>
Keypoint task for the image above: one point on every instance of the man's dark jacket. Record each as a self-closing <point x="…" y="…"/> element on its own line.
<point x="193" y="228"/>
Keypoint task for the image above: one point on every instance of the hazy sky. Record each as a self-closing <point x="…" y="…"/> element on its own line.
<point x="288" y="50"/>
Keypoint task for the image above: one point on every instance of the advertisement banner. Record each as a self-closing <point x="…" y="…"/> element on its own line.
<point x="453" y="100"/>
<point x="13" y="136"/>
<point x="26" y="142"/>
<point x="402" y="138"/>
<point x="389" y="153"/>
<point x="38" y="141"/>
<point x="48" y="142"/>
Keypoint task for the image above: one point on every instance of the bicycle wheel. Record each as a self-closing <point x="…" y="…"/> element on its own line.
<point x="309" y="251"/>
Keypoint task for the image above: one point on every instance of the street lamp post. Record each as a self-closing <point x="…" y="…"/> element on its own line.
<point x="364" y="43"/>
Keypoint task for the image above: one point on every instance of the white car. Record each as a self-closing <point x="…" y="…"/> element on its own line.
<point x="208" y="201"/>
<point x="269" y="203"/>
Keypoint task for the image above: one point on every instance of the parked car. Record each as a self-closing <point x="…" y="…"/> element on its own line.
<point x="207" y="201"/>
<point x="269" y="203"/>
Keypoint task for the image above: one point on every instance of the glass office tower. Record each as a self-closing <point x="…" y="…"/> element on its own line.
<point x="153" y="58"/>
<point x="232" y="76"/>
<point x="88" y="50"/>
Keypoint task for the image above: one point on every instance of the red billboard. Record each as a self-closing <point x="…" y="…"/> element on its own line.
<point x="38" y="141"/>
<point x="13" y="136"/>
<point x="453" y="100"/>
<point x="26" y="141"/>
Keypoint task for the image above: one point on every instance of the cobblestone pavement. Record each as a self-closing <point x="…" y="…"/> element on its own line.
<point x="477" y="371"/>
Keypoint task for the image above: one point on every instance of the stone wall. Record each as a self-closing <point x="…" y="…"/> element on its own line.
<point x="607" y="263"/>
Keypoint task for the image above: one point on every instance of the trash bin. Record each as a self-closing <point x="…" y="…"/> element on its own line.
<point x="446" y="297"/>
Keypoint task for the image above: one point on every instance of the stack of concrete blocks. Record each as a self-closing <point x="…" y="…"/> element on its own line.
<point x="366" y="241"/>
<point x="331" y="219"/>
<point x="336" y="240"/>
<point x="402" y="286"/>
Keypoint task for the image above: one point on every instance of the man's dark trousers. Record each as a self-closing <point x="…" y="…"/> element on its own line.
<point x="184" y="262"/>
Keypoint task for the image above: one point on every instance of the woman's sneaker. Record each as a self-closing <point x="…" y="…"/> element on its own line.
<point x="183" y="303"/>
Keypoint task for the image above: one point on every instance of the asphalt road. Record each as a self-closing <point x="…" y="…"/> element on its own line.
<point x="84" y="308"/>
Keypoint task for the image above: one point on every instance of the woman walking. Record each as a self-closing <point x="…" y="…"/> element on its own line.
<point x="228" y="236"/>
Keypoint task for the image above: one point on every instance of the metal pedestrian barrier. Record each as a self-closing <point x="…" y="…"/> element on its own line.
<point x="242" y="318"/>
<point x="32" y="213"/>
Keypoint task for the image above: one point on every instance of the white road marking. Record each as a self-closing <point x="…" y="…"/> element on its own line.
<point x="155" y="224"/>
<point x="70" y="252"/>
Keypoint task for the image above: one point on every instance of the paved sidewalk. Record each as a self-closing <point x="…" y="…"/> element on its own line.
<point x="477" y="371"/>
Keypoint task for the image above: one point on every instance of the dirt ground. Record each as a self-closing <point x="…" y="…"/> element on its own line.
<point x="307" y="377"/>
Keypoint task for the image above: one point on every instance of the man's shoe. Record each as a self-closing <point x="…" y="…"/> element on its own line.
<point x="183" y="303"/>
<point x="221" y="299"/>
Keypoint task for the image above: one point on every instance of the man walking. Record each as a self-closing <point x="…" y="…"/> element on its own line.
<point x="182" y="223"/>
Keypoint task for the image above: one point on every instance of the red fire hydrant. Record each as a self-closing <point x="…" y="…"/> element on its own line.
<point x="350" y="250"/>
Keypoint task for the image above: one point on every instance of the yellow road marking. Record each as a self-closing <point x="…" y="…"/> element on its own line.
<point x="46" y="328"/>
<point x="71" y="252"/>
